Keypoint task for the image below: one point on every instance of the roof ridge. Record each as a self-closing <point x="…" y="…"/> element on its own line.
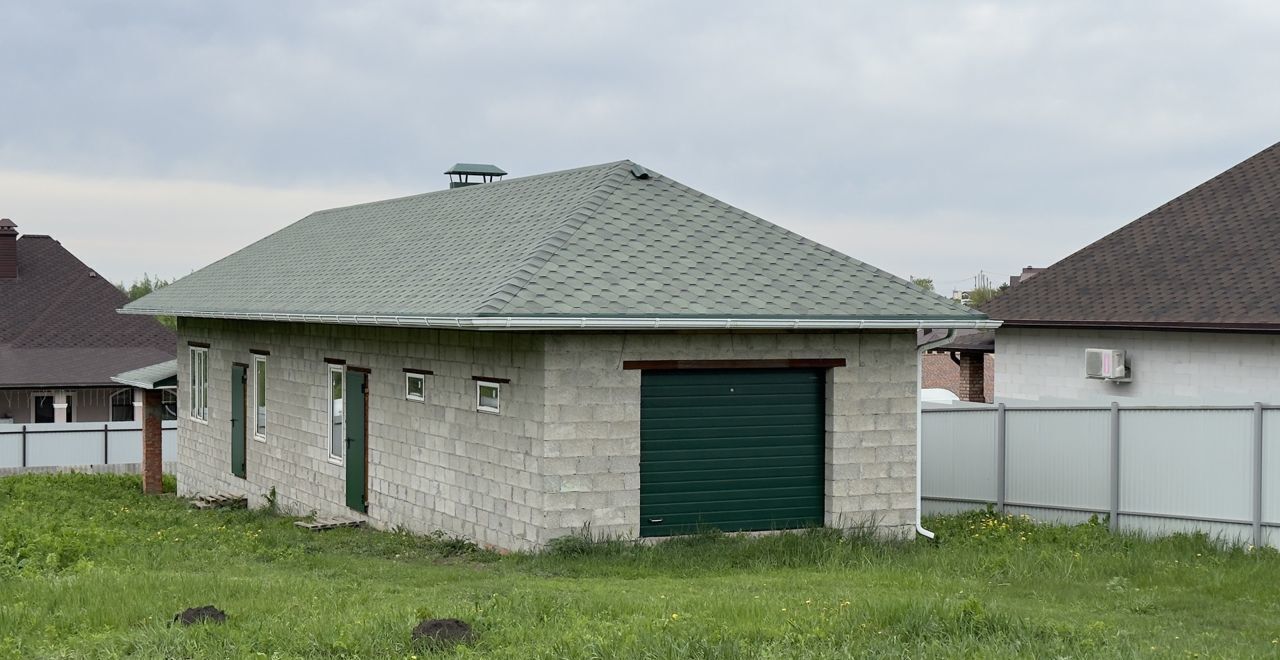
<point x="541" y="253"/>
<point x="469" y="189"/>
<point x="814" y="244"/>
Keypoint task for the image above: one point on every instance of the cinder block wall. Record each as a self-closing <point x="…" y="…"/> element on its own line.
<point x="591" y="456"/>
<point x="438" y="465"/>
<point x="1169" y="367"/>
<point x="565" y="451"/>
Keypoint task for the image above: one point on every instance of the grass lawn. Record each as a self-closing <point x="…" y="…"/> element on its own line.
<point x="91" y="568"/>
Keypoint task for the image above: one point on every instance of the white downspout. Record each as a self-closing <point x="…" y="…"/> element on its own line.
<point x="920" y="351"/>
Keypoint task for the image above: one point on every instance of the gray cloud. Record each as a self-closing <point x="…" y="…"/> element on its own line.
<point x="928" y="139"/>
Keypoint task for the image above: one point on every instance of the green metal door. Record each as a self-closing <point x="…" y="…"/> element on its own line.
<point x="734" y="450"/>
<point x="357" y="408"/>
<point x="239" y="374"/>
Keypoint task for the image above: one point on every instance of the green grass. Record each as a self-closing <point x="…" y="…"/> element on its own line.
<point x="91" y="568"/>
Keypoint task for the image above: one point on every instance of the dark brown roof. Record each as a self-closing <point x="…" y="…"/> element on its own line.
<point x="982" y="341"/>
<point x="59" y="326"/>
<point x="1209" y="260"/>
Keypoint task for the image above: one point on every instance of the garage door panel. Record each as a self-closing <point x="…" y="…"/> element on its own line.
<point x="794" y="491"/>
<point x="736" y="450"/>
<point x="656" y="462"/>
<point x="671" y="397"/>
<point x="675" y="434"/>
<point x="698" y="402"/>
<point x="756" y="470"/>
<point x="675" y="383"/>
<point x="756" y="412"/>
<point x="734" y="440"/>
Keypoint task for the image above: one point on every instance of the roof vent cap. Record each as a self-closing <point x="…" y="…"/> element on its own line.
<point x="460" y="174"/>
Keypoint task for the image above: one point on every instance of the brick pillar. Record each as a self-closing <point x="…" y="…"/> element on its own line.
<point x="152" y="460"/>
<point x="971" y="377"/>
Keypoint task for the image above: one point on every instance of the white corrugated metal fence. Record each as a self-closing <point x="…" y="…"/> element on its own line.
<point x="1152" y="469"/>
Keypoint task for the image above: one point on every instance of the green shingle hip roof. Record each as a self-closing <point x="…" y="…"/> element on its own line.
<point x="590" y="247"/>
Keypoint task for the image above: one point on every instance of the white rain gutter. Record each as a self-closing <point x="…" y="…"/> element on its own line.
<point x="920" y="351"/>
<point x="582" y="323"/>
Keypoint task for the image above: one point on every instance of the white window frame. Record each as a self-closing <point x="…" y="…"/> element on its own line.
<point x="497" y="388"/>
<point x="198" y="395"/>
<point x="341" y="370"/>
<point x="259" y="360"/>
<point x="410" y="396"/>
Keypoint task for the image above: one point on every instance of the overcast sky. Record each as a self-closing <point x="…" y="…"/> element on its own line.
<point x="929" y="139"/>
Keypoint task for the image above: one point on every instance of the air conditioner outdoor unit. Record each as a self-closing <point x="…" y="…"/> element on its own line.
<point x="1106" y="364"/>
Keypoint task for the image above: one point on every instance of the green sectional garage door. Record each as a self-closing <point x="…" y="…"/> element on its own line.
<point x="734" y="450"/>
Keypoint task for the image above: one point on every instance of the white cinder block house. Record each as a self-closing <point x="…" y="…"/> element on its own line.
<point x="1188" y="293"/>
<point x="514" y="360"/>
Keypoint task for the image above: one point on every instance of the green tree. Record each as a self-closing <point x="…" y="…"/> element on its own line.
<point x="925" y="283"/>
<point x="983" y="294"/>
<point x="142" y="287"/>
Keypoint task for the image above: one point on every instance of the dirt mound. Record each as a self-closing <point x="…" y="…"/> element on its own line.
<point x="199" y="615"/>
<point x="442" y="631"/>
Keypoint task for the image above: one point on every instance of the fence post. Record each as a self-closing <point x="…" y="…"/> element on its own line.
<point x="1001" y="453"/>
<point x="1114" y="521"/>
<point x="1257" y="474"/>
<point x="24" y="445"/>
<point x="106" y="444"/>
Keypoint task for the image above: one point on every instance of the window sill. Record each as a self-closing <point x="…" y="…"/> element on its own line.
<point x="488" y="411"/>
<point x="260" y="438"/>
<point x="336" y="460"/>
<point x="198" y="420"/>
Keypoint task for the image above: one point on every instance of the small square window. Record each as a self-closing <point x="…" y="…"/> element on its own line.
<point x="415" y="387"/>
<point x="487" y="396"/>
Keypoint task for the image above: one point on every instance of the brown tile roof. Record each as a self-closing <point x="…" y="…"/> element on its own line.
<point x="59" y="326"/>
<point x="1209" y="259"/>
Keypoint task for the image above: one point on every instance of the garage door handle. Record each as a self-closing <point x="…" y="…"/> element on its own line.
<point x="655" y="521"/>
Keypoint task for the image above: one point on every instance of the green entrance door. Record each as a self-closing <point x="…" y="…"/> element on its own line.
<point x="357" y="407"/>
<point x="734" y="450"/>
<point x="239" y="373"/>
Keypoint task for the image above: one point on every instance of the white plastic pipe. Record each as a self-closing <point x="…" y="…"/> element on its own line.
<point x="920" y="351"/>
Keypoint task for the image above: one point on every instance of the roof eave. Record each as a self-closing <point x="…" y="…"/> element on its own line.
<point x="58" y="386"/>
<point x="144" y="384"/>
<point x="592" y="322"/>
<point x="1142" y="325"/>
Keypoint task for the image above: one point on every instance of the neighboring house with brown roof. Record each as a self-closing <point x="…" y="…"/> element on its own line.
<point x="61" y="339"/>
<point x="1188" y="292"/>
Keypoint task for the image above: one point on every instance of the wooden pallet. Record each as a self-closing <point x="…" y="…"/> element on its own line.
<point x="325" y="524"/>
<point x="220" y="501"/>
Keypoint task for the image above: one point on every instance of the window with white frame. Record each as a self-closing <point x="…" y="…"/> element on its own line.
<point x="415" y="386"/>
<point x="260" y="397"/>
<point x="337" y="415"/>
<point x="199" y="392"/>
<point x="488" y="396"/>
